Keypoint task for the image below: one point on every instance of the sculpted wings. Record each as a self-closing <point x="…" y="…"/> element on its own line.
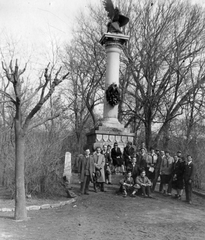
<point x="109" y="7"/>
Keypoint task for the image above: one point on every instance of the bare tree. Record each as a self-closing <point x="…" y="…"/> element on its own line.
<point x="84" y="58"/>
<point x="23" y="121"/>
<point x="166" y="40"/>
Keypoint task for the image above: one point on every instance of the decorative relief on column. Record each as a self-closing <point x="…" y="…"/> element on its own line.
<point x="112" y="138"/>
<point x="118" y="139"/>
<point x="105" y="138"/>
<point x="124" y="139"/>
<point x="99" y="137"/>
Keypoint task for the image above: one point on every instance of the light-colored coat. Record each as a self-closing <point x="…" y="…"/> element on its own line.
<point x="143" y="180"/>
<point x="99" y="162"/>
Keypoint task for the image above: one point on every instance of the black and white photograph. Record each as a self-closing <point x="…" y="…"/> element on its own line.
<point x="102" y="120"/>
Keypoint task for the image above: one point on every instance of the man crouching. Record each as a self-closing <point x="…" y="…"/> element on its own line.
<point x="127" y="185"/>
<point x="143" y="184"/>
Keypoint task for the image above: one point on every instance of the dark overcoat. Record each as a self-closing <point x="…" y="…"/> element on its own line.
<point x="86" y="167"/>
<point x="116" y="157"/>
<point x="189" y="172"/>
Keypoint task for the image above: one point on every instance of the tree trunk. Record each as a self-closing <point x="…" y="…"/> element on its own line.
<point x="20" y="198"/>
<point x="148" y="127"/>
<point x="160" y="134"/>
<point x="148" y="135"/>
<point x="93" y="117"/>
<point x="166" y="137"/>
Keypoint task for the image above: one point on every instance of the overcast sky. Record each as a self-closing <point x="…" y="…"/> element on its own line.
<point x="39" y="18"/>
<point x="33" y="24"/>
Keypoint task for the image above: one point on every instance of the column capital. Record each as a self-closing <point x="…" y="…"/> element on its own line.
<point x="114" y="39"/>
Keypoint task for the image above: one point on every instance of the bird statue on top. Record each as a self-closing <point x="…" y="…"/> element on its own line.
<point x="117" y="20"/>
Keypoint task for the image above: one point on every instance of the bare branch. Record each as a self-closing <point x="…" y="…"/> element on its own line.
<point x="8" y="96"/>
<point x="24" y="69"/>
<point x="43" y="98"/>
<point x="7" y="72"/>
<point x="33" y="94"/>
<point x="50" y="118"/>
<point x="5" y="101"/>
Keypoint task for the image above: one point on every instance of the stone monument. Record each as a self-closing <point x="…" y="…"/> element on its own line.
<point x="110" y="129"/>
<point x="67" y="171"/>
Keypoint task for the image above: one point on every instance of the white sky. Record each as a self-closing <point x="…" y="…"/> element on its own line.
<point x="34" y="24"/>
<point x="39" y="18"/>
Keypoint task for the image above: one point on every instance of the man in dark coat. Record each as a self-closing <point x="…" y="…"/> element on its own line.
<point x="151" y="164"/>
<point x="157" y="169"/>
<point x="128" y="154"/>
<point x="133" y="168"/>
<point x="85" y="171"/>
<point x="178" y="175"/>
<point x="143" y="159"/>
<point x="108" y="161"/>
<point x="188" y="178"/>
<point x="116" y="156"/>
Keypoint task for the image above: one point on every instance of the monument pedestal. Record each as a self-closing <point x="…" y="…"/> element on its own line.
<point x="107" y="136"/>
<point x="111" y="130"/>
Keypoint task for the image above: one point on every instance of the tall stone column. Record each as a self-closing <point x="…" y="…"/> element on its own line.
<point x="113" y="47"/>
<point x="111" y="130"/>
<point x="110" y="113"/>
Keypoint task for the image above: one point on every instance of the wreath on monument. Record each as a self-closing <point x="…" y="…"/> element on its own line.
<point x="113" y="94"/>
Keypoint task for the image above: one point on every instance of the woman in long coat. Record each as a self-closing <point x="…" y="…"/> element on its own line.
<point x="178" y="173"/>
<point x="116" y="155"/>
<point x="99" y="162"/>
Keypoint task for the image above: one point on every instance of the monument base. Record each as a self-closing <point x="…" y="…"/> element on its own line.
<point x="107" y="136"/>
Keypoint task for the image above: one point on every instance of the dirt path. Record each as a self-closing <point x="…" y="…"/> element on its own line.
<point x="109" y="216"/>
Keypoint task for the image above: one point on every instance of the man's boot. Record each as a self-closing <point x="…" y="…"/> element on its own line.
<point x="102" y="187"/>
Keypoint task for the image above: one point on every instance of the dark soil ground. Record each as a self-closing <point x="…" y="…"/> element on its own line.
<point x="111" y="217"/>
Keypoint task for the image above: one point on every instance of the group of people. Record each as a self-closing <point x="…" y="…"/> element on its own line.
<point x="141" y="169"/>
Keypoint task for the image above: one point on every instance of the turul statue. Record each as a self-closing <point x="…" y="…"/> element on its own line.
<point x="117" y="20"/>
